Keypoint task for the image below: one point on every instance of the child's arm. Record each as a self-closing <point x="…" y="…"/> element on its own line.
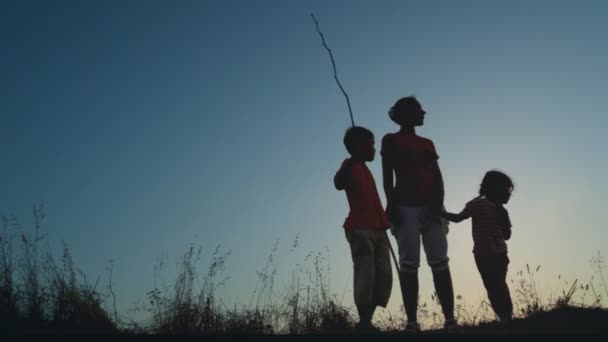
<point x="504" y="222"/>
<point x="506" y="232"/>
<point x="463" y="215"/>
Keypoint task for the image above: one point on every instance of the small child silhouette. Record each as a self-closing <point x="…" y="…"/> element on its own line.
<point x="365" y="227"/>
<point x="491" y="227"/>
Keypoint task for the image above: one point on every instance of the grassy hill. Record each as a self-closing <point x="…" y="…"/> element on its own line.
<point x="39" y="295"/>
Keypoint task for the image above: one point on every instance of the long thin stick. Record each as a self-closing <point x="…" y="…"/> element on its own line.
<point x="392" y="252"/>
<point x="333" y="63"/>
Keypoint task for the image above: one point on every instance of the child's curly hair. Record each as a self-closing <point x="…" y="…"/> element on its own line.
<point x="493" y="182"/>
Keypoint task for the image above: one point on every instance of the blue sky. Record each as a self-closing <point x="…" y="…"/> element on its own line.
<point x="145" y="126"/>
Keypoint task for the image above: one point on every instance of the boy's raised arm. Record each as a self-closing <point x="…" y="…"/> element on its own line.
<point x="341" y="177"/>
<point x="339" y="180"/>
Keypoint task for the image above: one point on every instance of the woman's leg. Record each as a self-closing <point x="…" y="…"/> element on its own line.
<point x="407" y="234"/>
<point x="434" y="240"/>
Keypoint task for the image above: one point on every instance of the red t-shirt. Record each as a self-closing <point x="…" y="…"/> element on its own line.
<point x="413" y="158"/>
<point x="366" y="211"/>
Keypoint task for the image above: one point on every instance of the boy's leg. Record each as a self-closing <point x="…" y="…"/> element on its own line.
<point x="366" y="312"/>
<point x="434" y="240"/>
<point x="407" y="234"/>
<point x="383" y="282"/>
<point x="362" y="253"/>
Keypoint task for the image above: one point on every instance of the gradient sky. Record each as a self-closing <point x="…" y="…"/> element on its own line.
<point x="146" y="126"/>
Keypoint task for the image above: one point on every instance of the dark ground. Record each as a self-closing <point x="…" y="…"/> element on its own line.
<point x="566" y="324"/>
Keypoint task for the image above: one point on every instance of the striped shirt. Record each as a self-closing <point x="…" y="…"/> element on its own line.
<point x="488" y="221"/>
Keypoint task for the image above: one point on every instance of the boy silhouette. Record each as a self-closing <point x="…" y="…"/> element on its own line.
<point x="365" y="227"/>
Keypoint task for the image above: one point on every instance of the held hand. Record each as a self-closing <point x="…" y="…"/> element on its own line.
<point x="393" y="214"/>
<point x="433" y="213"/>
<point x="437" y="207"/>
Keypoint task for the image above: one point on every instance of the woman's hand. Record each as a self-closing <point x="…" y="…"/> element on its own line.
<point x="392" y="211"/>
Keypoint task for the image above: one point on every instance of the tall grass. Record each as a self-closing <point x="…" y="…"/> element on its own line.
<point x="306" y="306"/>
<point x="189" y="307"/>
<point x="40" y="293"/>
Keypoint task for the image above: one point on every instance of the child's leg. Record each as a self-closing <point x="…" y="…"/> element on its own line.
<point x="383" y="283"/>
<point x="493" y="274"/>
<point x="506" y="305"/>
<point x="362" y="253"/>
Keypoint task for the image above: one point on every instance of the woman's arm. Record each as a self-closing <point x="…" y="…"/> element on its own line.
<point x="389" y="191"/>
<point x="438" y="195"/>
<point x="387" y="180"/>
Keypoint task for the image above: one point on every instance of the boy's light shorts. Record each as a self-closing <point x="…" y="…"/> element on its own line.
<point x="373" y="278"/>
<point x="414" y="225"/>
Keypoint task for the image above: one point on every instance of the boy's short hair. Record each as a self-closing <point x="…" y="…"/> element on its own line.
<point x="354" y="136"/>
<point x="402" y="108"/>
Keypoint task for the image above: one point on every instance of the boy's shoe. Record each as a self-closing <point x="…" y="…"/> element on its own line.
<point x="451" y="325"/>
<point x="412" y="328"/>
